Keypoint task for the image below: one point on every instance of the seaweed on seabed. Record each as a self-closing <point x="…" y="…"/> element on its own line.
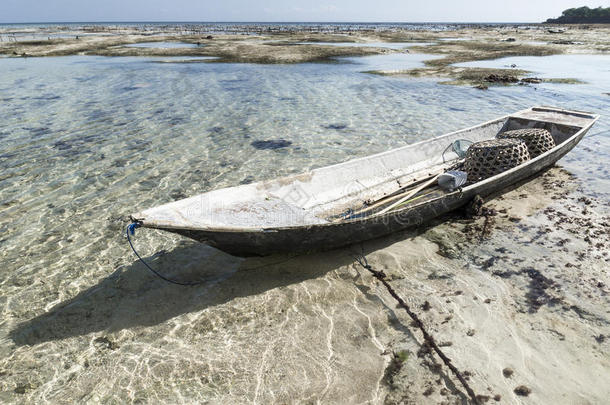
<point x="271" y="144"/>
<point x="398" y="359"/>
<point x="335" y="126"/>
<point x="429" y="342"/>
<point x="537" y="296"/>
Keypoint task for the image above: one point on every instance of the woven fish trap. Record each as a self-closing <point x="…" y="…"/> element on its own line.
<point x="488" y="158"/>
<point x="538" y="140"/>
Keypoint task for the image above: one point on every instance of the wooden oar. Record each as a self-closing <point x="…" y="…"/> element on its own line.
<point x="409" y="195"/>
<point x="380" y="202"/>
<point x="357" y="215"/>
<point x="383" y="201"/>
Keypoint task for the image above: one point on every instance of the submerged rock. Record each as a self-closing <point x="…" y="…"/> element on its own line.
<point x="523" y="391"/>
<point x="104" y="342"/>
<point x="534" y="80"/>
<point x="335" y="126"/>
<point x="494" y="78"/>
<point x="23" y="388"/>
<point x="564" y="42"/>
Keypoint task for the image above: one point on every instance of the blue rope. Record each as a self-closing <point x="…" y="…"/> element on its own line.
<point x="131" y="230"/>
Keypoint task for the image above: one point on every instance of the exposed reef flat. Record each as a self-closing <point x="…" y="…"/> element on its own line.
<point x="227" y="48"/>
<point x="460" y="44"/>
<point x="487" y="44"/>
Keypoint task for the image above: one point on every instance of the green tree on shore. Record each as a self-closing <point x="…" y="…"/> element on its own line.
<point x="584" y="14"/>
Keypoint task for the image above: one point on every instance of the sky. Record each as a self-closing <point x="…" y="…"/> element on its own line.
<point x="14" y="11"/>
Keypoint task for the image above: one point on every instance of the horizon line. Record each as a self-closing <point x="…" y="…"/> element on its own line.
<point x="271" y="22"/>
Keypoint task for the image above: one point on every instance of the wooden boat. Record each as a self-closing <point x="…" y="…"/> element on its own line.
<point x="315" y="210"/>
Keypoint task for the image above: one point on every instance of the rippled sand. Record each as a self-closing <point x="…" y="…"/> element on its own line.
<point x="89" y="139"/>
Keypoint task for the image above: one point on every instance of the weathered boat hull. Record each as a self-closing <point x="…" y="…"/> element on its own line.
<point x="330" y="235"/>
<point x="325" y="237"/>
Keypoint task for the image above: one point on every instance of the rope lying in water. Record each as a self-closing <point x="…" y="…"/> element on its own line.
<point x="380" y="275"/>
<point x="131" y="230"/>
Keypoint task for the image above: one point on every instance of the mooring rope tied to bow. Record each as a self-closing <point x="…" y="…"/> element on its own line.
<point x="429" y="340"/>
<point x="131" y="230"/>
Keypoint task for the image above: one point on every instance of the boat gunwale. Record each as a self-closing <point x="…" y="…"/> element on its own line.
<point x="376" y="217"/>
<point x="507" y="173"/>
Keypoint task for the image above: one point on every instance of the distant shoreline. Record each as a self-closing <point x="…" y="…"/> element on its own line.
<point x="271" y="22"/>
<point x="578" y="20"/>
<point x="583" y="15"/>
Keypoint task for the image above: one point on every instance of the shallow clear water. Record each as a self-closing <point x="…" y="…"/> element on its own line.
<point x="85" y="141"/>
<point x="592" y="69"/>
<point x="536" y="42"/>
<point x="389" y="45"/>
<point x="89" y="139"/>
<point x="456" y="39"/>
<point x="163" y="45"/>
<point x="390" y="62"/>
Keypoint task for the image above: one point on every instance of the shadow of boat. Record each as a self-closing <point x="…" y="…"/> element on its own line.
<point x="132" y="297"/>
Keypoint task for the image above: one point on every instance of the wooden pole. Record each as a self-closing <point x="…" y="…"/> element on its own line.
<point x="384" y="200"/>
<point x="409" y="195"/>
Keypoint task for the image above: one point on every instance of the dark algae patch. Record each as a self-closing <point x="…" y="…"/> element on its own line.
<point x="23" y="388"/>
<point x="523" y="391"/>
<point x="335" y="126"/>
<point x="538" y="294"/>
<point x="396" y="363"/>
<point x="271" y="144"/>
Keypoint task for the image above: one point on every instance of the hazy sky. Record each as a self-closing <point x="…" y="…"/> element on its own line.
<point x="277" y="10"/>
